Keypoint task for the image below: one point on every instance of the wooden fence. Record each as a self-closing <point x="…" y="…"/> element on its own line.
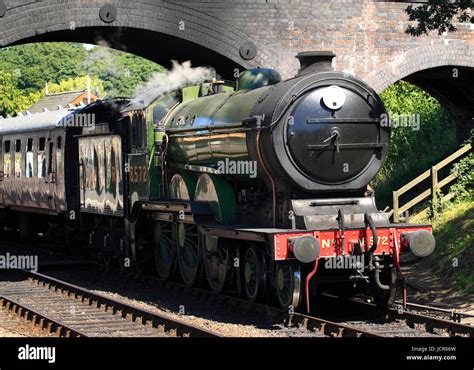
<point x="436" y="184"/>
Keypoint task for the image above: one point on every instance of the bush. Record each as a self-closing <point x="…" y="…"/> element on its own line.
<point x="413" y="151"/>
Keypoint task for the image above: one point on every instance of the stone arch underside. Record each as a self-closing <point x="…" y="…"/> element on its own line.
<point x="157" y="30"/>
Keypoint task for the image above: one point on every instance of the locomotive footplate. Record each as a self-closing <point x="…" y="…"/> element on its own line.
<point x="281" y="242"/>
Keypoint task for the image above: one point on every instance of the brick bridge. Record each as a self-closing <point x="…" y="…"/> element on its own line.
<point x="367" y="36"/>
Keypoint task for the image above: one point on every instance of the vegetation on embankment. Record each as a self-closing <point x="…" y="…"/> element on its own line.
<point x="422" y="134"/>
<point x="453" y="227"/>
<point x="454" y="253"/>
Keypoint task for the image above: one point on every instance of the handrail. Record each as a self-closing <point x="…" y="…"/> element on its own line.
<point x="435" y="184"/>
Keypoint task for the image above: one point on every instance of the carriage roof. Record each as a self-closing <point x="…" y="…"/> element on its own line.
<point x="32" y="122"/>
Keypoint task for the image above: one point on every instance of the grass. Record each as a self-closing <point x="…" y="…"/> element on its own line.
<point x="454" y="253"/>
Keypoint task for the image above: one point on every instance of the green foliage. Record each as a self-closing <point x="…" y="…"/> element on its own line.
<point x="463" y="189"/>
<point x="25" y="69"/>
<point x="13" y="100"/>
<point x="454" y="254"/>
<point x="438" y="206"/>
<point x="413" y="151"/>
<point x="439" y="15"/>
<point x="464" y="186"/>
<point x="35" y="64"/>
<point x="120" y="72"/>
<point x="75" y="84"/>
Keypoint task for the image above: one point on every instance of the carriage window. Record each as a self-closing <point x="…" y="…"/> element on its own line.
<point x="29" y="159"/>
<point x="60" y="142"/>
<point x="41" y="158"/>
<point x="18" y="159"/>
<point x="42" y="143"/>
<point x="50" y="158"/>
<point x="7" y="159"/>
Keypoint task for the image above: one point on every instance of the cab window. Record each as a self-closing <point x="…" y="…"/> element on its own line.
<point x="138" y="131"/>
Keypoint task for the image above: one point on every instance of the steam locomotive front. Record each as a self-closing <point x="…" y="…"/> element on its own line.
<point x="317" y="141"/>
<point x="326" y="131"/>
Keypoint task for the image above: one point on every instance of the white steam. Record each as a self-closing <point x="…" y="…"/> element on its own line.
<point x="105" y="55"/>
<point x="179" y="76"/>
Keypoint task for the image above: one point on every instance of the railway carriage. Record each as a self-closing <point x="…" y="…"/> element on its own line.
<point x="33" y="175"/>
<point x="262" y="189"/>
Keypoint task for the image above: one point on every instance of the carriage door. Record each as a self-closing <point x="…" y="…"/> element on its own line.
<point x="51" y="171"/>
<point x="137" y="160"/>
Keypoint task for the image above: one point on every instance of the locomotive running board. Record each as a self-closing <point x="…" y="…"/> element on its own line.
<point x="190" y="212"/>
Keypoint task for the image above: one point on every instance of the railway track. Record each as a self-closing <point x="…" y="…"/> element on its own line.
<point x="453" y="315"/>
<point x="394" y="323"/>
<point x="391" y="324"/>
<point x="419" y="324"/>
<point x="72" y="311"/>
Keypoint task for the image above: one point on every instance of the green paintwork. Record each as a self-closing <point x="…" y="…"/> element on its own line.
<point x="219" y="194"/>
<point x="258" y="77"/>
<point x="138" y="177"/>
<point x="182" y="186"/>
<point x="206" y="148"/>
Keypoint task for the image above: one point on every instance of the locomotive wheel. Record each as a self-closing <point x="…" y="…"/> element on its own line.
<point x="217" y="262"/>
<point x="164" y="251"/>
<point x="385" y="298"/>
<point x="141" y="263"/>
<point x="254" y="274"/>
<point x="105" y="253"/>
<point x="188" y="252"/>
<point x="288" y="285"/>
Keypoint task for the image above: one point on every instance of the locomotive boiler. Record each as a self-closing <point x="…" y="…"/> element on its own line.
<point x="261" y="190"/>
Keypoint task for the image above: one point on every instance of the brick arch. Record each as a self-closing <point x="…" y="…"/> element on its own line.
<point x="419" y="59"/>
<point x="37" y="21"/>
<point x="446" y="72"/>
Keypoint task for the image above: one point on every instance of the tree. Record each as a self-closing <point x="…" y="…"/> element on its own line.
<point x="24" y="70"/>
<point x="13" y="100"/>
<point x="120" y="72"/>
<point x="75" y="84"/>
<point x="35" y="64"/>
<point x="439" y="15"/>
<point x="422" y="134"/>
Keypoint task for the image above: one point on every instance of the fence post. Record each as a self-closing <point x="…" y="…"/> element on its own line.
<point x="395" y="207"/>
<point x="434" y="188"/>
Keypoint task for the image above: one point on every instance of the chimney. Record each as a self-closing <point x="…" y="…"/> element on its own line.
<point x="315" y="61"/>
<point x="46" y="89"/>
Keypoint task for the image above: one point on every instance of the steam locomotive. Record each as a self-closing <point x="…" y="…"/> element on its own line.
<point x="261" y="190"/>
